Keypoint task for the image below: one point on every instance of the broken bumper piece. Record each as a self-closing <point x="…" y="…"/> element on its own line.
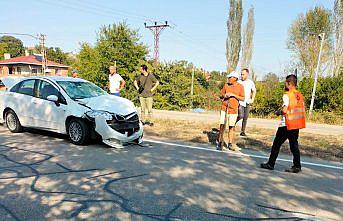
<point x="114" y="138"/>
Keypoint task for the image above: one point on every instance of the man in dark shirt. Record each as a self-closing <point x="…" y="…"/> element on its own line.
<point x="146" y="84"/>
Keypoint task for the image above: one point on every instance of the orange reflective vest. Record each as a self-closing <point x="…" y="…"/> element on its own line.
<point x="295" y="116"/>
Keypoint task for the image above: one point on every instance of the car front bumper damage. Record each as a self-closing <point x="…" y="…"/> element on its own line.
<point x="114" y="138"/>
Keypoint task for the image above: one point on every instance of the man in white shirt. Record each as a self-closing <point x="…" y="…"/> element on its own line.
<point x="244" y="106"/>
<point x="117" y="83"/>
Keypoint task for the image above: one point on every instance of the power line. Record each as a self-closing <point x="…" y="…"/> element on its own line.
<point x="110" y="12"/>
<point x="22" y="34"/>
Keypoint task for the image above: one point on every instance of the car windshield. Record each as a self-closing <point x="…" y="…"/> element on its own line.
<point x="81" y="90"/>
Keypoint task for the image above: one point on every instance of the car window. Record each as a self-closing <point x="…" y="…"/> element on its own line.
<point x="15" y="87"/>
<point x="46" y="89"/>
<point x="81" y="90"/>
<point x="26" y="87"/>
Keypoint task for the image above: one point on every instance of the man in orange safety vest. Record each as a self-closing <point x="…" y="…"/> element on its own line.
<point x="293" y="119"/>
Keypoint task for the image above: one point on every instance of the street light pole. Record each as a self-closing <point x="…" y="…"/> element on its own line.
<point x="321" y="37"/>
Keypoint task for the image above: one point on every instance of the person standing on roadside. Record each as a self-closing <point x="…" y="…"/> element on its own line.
<point x="293" y="119"/>
<point x="116" y="82"/>
<point x="146" y="84"/>
<point x="75" y="74"/>
<point x="244" y="106"/>
<point x="232" y="93"/>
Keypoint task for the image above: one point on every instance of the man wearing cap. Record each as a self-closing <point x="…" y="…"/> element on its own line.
<point x="232" y="93"/>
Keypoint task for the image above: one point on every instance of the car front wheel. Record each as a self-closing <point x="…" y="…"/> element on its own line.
<point x="12" y="122"/>
<point x="78" y="131"/>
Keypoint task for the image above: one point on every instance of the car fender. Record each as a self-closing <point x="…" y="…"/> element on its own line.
<point x="8" y="102"/>
<point x="73" y="110"/>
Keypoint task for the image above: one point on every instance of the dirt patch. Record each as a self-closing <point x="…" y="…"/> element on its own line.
<point x="318" y="146"/>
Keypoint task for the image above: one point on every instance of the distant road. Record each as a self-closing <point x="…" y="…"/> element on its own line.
<point x="323" y="129"/>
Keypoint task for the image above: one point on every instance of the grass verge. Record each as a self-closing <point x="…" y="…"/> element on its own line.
<point x="322" y="147"/>
<point x="317" y="117"/>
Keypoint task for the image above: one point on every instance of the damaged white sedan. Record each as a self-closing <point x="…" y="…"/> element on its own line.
<point x="71" y="106"/>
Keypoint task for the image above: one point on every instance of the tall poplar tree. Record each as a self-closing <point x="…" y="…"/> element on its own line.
<point x="248" y="37"/>
<point x="233" y="42"/>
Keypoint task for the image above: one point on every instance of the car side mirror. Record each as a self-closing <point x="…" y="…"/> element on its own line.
<point x="52" y="98"/>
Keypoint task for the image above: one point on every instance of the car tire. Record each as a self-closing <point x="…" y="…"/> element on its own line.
<point x="78" y="131"/>
<point x="12" y="122"/>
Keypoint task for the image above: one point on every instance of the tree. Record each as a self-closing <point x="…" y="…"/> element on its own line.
<point x="269" y="95"/>
<point x="248" y="37"/>
<point x="14" y="46"/>
<point x="233" y="42"/>
<point x="303" y="38"/>
<point x="338" y="55"/>
<point x="3" y="49"/>
<point x="55" y="54"/>
<point x="118" y="44"/>
<point x="88" y="64"/>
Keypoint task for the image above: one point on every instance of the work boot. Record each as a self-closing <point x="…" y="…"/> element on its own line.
<point x="267" y="166"/>
<point x="219" y="146"/>
<point x="230" y="147"/>
<point x="243" y="134"/>
<point x="293" y="169"/>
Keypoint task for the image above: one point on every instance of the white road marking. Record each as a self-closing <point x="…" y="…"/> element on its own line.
<point x="242" y="154"/>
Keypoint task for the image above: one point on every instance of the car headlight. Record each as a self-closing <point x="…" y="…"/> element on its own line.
<point x="94" y="114"/>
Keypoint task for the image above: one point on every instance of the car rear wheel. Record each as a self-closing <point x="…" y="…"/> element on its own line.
<point x="12" y="122"/>
<point x="78" y="131"/>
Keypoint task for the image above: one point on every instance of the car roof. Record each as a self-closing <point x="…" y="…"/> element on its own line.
<point x="9" y="82"/>
<point x="58" y="78"/>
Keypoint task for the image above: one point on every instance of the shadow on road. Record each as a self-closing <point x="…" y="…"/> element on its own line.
<point x="54" y="179"/>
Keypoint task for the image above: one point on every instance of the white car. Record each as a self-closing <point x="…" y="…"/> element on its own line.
<point x="71" y="106"/>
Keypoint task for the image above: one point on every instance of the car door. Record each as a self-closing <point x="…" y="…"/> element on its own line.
<point x="48" y="114"/>
<point x="20" y="101"/>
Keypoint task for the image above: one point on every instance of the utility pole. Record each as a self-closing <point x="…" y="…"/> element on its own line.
<point x="42" y="39"/>
<point x="321" y="38"/>
<point x="156" y="30"/>
<point x="192" y="88"/>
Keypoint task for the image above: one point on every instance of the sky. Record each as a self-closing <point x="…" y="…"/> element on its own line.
<point x="197" y="31"/>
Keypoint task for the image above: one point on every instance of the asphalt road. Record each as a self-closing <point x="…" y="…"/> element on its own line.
<point x="44" y="177"/>
<point x="323" y="129"/>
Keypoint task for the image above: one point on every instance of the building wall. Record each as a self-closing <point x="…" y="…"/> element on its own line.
<point x="29" y="70"/>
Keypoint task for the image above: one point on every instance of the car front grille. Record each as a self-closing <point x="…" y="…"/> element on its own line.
<point x="125" y="124"/>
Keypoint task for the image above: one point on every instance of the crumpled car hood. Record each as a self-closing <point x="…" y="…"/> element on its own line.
<point x="110" y="103"/>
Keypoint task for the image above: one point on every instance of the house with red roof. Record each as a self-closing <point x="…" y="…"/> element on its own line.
<point x="30" y="65"/>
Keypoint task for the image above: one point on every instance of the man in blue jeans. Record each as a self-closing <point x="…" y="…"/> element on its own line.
<point x="116" y="82"/>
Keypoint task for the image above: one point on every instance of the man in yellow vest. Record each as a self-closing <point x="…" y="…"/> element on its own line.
<point x="293" y="119"/>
